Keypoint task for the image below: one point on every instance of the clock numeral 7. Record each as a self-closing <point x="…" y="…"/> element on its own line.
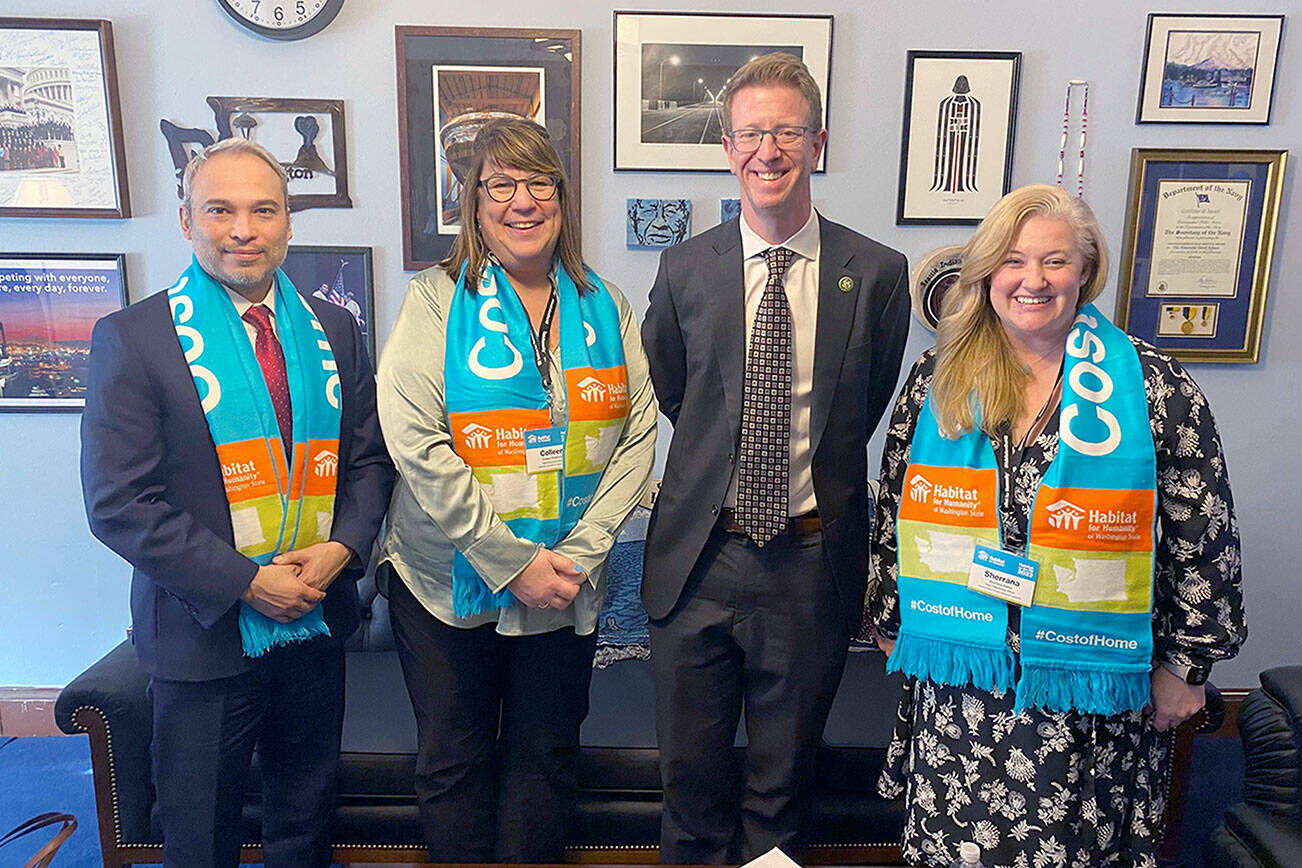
<point x="256" y="4"/>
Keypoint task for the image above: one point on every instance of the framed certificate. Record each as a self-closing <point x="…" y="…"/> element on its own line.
<point x="1200" y="236"/>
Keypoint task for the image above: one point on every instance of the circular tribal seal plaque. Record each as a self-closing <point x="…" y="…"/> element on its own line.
<point x="931" y="277"/>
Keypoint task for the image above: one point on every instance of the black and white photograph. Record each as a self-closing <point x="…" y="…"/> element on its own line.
<point x="61" y="144"/>
<point x="339" y="275"/>
<point x="960" y="120"/>
<point x="671" y="70"/>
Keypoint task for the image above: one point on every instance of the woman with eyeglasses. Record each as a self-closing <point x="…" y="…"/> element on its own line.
<point x="515" y="399"/>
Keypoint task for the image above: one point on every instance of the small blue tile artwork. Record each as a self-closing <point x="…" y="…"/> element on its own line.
<point x="654" y="224"/>
<point x="728" y="209"/>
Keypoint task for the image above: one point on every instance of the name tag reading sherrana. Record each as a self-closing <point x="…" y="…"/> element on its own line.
<point x="1005" y="575"/>
<point x="544" y="449"/>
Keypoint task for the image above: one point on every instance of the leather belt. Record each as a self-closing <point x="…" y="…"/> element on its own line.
<point x="797" y="525"/>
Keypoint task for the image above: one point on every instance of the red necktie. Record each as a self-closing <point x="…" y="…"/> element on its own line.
<point x="272" y="361"/>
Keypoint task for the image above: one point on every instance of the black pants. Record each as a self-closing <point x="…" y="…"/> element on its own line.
<point x="759" y="627"/>
<point x="497" y="729"/>
<point x="292" y="706"/>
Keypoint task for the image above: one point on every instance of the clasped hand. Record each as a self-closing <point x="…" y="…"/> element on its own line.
<point x="550" y="581"/>
<point x="295" y="581"/>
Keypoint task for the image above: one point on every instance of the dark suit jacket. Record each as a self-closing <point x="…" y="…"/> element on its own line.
<point x="154" y="493"/>
<point x="695" y="338"/>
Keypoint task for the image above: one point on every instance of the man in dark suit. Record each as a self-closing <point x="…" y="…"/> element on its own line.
<point x="775" y="344"/>
<point x="155" y="494"/>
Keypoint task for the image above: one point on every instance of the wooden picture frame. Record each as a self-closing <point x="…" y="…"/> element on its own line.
<point x="65" y="157"/>
<point x="49" y="303"/>
<point x="956" y="147"/>
<point x="1199" y="242"/>
<point x="450" y="81"/>
<point x="291" y="130"/>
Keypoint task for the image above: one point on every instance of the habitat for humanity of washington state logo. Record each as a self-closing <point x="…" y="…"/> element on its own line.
<point x="919" y="488"/>
<point x="592" y="389"/>
<point x="326" y="463"/>
<point x="477" y="436"/>
<point x="1064" y="515"/>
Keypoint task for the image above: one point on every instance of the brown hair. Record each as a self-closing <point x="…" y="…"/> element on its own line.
<point x="976" y="367"/>
<point x="234" y="145"/>
<point x="513" y="143"/>
<point x="775" y="68"/>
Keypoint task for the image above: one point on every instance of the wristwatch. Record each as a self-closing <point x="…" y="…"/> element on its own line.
<point x="1188" y="674"/>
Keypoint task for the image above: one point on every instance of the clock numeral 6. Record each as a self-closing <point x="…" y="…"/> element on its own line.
<point x="279" y="14"/>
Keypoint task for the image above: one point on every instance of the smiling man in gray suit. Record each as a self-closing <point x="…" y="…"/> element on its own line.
<point x="775" y="344"/>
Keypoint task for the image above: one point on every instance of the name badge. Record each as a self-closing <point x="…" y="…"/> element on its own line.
<point x="544" y="449"/>
<point x="1002" y="574"/>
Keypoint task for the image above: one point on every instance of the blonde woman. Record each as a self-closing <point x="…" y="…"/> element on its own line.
<point x="1037" y="434"/>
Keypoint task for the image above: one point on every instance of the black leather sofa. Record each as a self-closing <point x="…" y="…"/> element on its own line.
<point x="1265" y="829"/>
<point x="619" y="807"/>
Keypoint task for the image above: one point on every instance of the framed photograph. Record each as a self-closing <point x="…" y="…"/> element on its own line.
<point x="1209" y="69"/>
<point x="654" y="224"/>
<point x="1200" y="236"/>
<point x="305" y="135"/>
<point x="670" y="71"/>
<point x="452" y="80"/>
<point x="960" y="121"/>
<point x="61" y="152"/>
<point x="339" y="275"/>
<point x="49" y="303"/>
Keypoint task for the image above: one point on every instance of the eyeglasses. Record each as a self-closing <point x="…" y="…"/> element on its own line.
<point x="785" y="137"/>
<point x="501" y="188"/>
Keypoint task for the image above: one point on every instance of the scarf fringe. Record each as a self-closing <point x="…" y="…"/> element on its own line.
<point x="955" y="664"/>
<point x="471" y="597"/>
<point x="259" y="634"/>
<point x="1089" y="690"/>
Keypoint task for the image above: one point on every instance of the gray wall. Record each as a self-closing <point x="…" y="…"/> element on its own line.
<point x="66" y="597"/>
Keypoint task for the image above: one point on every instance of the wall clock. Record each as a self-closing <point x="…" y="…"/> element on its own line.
<point x="282" y="19"/>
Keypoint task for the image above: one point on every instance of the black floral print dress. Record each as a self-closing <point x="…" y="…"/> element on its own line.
<point x="1044" y="789"/>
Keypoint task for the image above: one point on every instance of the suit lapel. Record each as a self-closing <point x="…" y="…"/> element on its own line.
<point x="839" y="283"/>
<point x="727" y="293"/>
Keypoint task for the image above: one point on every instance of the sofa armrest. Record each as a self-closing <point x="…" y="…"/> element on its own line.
<point x="109" y="703"/>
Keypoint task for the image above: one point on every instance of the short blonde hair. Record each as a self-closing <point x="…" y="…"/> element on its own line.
<point x="775" y="68"/>
<point x="976" y="368"/>
<point x="235" y="146"/>
<point x="513" y="143"/>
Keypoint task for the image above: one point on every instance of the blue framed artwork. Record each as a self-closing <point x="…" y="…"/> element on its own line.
<point x="1200" y="237"/>
<point x="728" y="209"/>
<point x="654" y="224"/>
<point x="1209" y="69"/>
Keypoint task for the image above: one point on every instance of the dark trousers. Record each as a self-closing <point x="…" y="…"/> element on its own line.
<point x="497" y="731"/>
<point x="759" y="627"/>
<point x="291" y="705"/>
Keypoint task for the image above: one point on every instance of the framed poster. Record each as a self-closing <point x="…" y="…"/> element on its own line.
<point x="451" y="80"/>
<point x="960" y="121"/>
<point x="670" y="72"/>
<point x="306" y="136"/>
<point x="49" y="303"/>
<point x="61" y="151"/>
<point x="1209" y="69"/>
<point x="1200" y="236"/>
<point x="339" y="275"/>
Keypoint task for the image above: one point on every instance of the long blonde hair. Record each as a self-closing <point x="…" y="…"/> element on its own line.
<point x="513" y="144"/>
<point x="979" y="380"/>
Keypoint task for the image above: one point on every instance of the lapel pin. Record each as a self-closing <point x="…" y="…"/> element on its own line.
<point x="845" y="284"/>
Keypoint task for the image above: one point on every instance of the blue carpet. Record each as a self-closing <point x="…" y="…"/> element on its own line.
<point x="38" y="775"/>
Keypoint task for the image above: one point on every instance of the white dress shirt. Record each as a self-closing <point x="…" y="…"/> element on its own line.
<point x="802" y="295"/>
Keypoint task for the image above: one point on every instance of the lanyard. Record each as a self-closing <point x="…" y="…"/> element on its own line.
<point x="1084" y="120"/>
<point x="542" y="354"/>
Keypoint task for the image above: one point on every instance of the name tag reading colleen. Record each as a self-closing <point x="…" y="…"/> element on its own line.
<point x="1005" y="575"/>
<point x="544" y="450"/>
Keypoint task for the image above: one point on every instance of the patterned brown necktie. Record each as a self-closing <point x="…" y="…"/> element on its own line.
<point x="765" y="462"/>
